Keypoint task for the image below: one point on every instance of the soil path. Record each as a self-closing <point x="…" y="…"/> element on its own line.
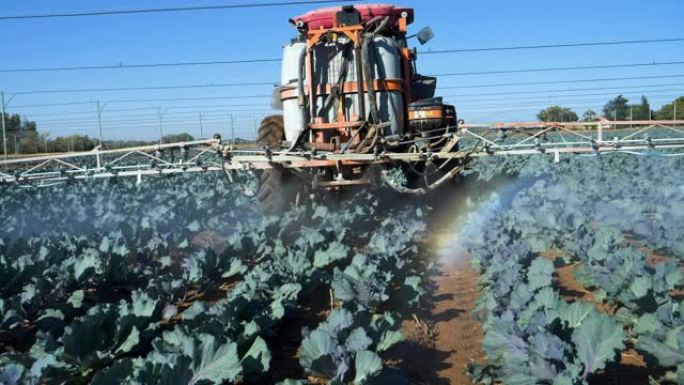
<point x="450" y="337"/>
<point x="457" y="333"/>
<point x="445" y="337"/>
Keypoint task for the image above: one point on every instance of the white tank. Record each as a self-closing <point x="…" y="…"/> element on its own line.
<point x="328" y="64"/>
<point x="288" y="78"/>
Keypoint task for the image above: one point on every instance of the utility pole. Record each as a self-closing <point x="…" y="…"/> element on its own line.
<point x="201" y="126"/>
<point x="161" y="130"/>
<point x="674" y="110"/>
<point x="232" y="131"/>
<point x="4" y="131"/>
<point x="100" y="107"/>
<point x="631" y="115"/>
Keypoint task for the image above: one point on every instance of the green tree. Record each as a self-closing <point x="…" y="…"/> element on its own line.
<point x="641" y="111"/>
<point x="72" y="143"/>
<point x="44" y="140"/>
<point x="16" y="128"/>
<point x="557" y="114"/>
<point x="666" y="112"/>
<point x="30" y="143"/>
<point x="173" y="138"/>
<point x="616" y="109"/>
<point x="589" y="116"/>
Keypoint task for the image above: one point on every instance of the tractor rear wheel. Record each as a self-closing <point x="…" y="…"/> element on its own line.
<point x="271" y="132"/>
<point x="277" y="187"/>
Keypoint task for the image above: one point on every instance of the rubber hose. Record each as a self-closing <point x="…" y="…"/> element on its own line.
<point x="300" y="88"/>
<point x="368" y="74"/>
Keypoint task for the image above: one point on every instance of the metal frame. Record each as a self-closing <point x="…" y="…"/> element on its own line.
<point x="196" y="156"/>
<point x="525" y="139"/>
<point x="587" y="137"/>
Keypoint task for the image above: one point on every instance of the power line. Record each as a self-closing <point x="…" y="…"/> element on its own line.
<point x="132" y="66"/>
<point x="164" y="10"/>
<point x="462" y="86"/>
<point x="188" y="99"/>
<point x="493" y="110"/>
<point x="209" y="109"/>
<point x="218" y="106"/>
<point x="536" y="99"/>
<point x="108" y="111"/>
<point x="53" y="104"/>
<point x="549" y="69"/>
<point x="93" y="111"/>
<point x="594" y="80"/>
<point x="558" y="98"/>
<point x="152" y="118"/>
<point x="174" y="130"/>
<point x="190" y="107"/>
<point x="109" y="122"/>
<point x="138" y="121"/>
<point x="618" y="90"/>
<point x="553" y="69"/>
<point x="545" y="46"/>
<point x="568" y="103"/>
<point x="147" y="88"/>
<point x="276" y="60"/>
<point x="148" y="120"/>
<point x="112" y="101"/>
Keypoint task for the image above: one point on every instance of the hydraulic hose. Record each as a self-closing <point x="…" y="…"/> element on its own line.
<point x="421" y="190"/>
<point x="369" y="141"/>
<point x="338" y="90"/>
<point x="300" y="86"/>
<point x="370" y="79"/>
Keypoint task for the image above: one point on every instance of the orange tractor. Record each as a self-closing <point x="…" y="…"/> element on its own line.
<point x="349" y="85"/>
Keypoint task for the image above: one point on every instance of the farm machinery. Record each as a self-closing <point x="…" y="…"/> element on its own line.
<point x="355" y="111"/>
<point x="350" y="86"/>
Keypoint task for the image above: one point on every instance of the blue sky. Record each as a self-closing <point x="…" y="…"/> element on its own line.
<point x="260" y="33"/>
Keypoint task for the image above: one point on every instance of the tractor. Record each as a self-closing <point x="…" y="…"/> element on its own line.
<point x="349" y="85"/>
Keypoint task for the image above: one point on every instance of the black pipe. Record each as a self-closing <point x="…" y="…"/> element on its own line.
<point x="370" y="79"/>
<point x="300" y="87"/>
<point x="359" y="83"/>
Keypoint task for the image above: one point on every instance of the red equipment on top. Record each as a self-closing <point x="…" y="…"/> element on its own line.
<point x="325" y="17"/>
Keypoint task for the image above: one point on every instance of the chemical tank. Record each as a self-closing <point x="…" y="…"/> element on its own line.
<point x="335" y="72"/>
<point x="292" y="116"/>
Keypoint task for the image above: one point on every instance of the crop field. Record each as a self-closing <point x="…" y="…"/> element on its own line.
<point x="525" y="271"/>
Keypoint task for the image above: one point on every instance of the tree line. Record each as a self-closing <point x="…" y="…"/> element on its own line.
<point x="618" y="108"/>
<point x="23" y="137"/>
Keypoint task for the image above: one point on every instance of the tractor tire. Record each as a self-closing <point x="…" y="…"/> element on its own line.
<point x="277" y="187"/>
<point x="271" y="132"/>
